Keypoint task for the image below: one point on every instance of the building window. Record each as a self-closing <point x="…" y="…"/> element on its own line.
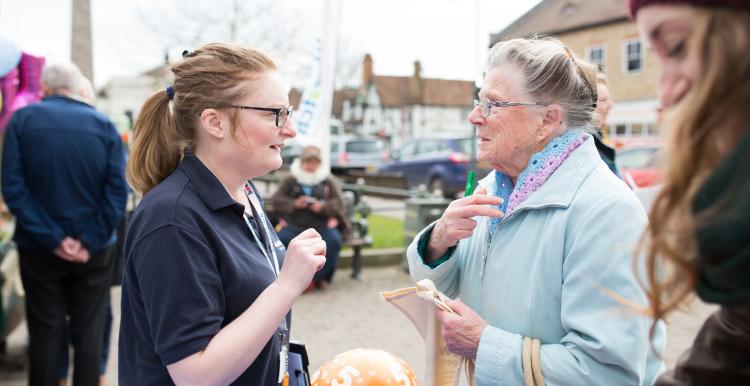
<point x="636" y="129"/>
<point x="598" y="56"/>
<point x="633" y="57"/>
<point x="620" y="130"/>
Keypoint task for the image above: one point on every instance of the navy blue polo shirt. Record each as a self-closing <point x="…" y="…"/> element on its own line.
<point x="191" y="267"/>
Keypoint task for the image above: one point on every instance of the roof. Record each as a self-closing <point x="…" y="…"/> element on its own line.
<point x="443" y="92"/>
<point x="395" y="91"/>
<point x="341" y="95"/>
<point x="295" y="97"/>
<point x="555" y="17"/>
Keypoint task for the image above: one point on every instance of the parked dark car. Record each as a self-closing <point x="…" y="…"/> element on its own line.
<point x="438" y="163"/>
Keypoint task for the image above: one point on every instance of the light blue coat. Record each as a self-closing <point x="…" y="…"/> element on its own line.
<point x="543" y="275"/>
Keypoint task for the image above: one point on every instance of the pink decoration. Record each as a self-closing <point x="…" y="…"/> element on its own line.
<point x="8" y="88"/>
<point x="30" y="88"/>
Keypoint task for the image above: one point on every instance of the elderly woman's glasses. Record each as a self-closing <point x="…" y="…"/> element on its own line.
<point x="282" y="113"/>
<point x="485" y="105"/>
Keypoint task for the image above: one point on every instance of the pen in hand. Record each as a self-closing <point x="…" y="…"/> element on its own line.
<point x="471" y="183"/>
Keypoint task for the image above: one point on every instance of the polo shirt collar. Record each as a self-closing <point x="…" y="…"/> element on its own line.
<point x="209" y="188"/>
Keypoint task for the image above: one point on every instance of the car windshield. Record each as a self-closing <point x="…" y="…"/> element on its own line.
<point x="635" y="158"/>
<point x="364" y="146"/>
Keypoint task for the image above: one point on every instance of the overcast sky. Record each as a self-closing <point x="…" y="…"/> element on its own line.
<point x="448" y="36"/>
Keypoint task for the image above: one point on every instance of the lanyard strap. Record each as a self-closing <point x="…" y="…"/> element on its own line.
<point x="272" y="259"/>
<point x="282" y="330"/>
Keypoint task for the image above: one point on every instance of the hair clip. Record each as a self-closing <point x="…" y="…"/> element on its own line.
<point x="170" y="92"/>
<point x="188" y="54"/>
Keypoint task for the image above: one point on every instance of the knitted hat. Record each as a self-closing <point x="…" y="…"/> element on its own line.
<point x="635" y="5"/>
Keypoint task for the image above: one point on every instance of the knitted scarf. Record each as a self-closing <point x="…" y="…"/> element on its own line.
<point x="540" y="167"/>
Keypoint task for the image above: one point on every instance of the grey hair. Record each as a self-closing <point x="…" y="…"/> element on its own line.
<point x="85" y="91"/>
<point x="62" y="78"/>
<point x="551" y="74"/>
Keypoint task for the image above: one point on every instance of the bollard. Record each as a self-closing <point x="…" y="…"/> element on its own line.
<point x="421" y="210"/>
<point x="361" y="238"/>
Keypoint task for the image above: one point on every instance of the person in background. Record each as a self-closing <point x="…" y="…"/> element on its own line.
<point x="697" y="239"/>
<point x="604" y="104"/>
<point x="311" y="198"/>
<point x="535" y="254"/>
<point x="208" y="287"/>
<point x="86" y="94"/>
<point x="63" y="180"/>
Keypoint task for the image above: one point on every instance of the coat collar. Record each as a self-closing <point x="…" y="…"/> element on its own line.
<point x="59" y="98"/>
<point x="562" y="185"/>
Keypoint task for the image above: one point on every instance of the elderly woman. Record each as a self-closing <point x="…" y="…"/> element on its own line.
<point x="538" y="251"/>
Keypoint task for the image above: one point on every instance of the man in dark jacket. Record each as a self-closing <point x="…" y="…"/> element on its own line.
<point x="63" y="180"/>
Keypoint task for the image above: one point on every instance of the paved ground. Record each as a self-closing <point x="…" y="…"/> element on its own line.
<point x="349" y="314"/>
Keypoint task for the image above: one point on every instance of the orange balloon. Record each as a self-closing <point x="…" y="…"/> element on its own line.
<point x="364" y="367"/>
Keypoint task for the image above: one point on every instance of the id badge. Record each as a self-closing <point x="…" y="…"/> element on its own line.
<point x="283" y="358"/>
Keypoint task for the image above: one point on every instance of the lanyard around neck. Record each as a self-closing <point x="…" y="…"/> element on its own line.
<point x="272" y="259"/>
<point x="282" y="330"/>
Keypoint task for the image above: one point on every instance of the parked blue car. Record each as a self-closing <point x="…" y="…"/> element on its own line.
<point x="439" y="163"/>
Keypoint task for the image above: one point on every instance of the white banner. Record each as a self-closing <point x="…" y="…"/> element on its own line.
<point x="314" y="116"/>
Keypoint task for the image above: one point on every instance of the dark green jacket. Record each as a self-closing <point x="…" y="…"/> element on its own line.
<point x="721" y="351"/>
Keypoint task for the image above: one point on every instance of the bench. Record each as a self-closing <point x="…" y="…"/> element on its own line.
<point x="360" y="238"/>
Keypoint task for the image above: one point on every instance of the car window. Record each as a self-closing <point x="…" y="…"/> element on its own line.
<point x="635" y="158"/>
<point x="426" y="147"/>
<point x="408" y="150"/>
<point x="465" y="145"/>
<point x="658" y="159"/>
<point x="364" y="146"/>
<point x="443" y="146"/>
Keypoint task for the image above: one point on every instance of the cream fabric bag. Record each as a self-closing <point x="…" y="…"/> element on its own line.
<point x="418" y="303"/>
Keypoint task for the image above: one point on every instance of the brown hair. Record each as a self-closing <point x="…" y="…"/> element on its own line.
<point x="552" y="74"/>
<point x="722" y="39"/>
<point x="209" y="77"/>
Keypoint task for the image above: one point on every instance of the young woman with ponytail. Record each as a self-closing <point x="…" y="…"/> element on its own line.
<point x="208" y="286"/>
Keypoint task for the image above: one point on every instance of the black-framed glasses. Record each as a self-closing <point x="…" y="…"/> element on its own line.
<point x="282" y="113"/>
<point x="485" y="105"/>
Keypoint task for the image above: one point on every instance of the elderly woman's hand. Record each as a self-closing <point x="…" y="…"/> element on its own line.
<point x="457" y="222"/>
<point x="462" y="330"/>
